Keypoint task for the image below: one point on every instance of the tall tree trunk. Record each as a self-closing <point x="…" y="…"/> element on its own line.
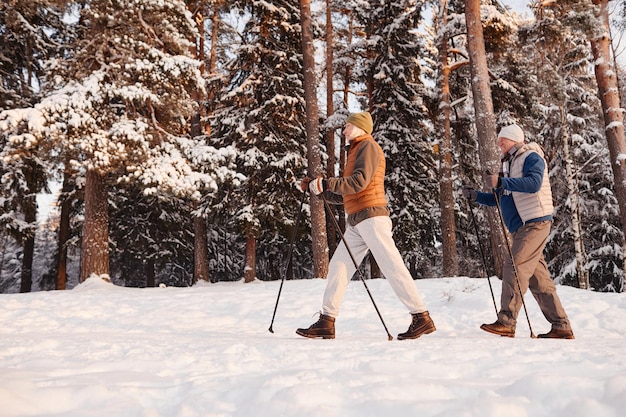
<point x="318" y="218"/>
<point x="613" y="116"/>
<point x="64" y="230"/>
<point x="200" y="243"/>
<point x="330" y="110"/>
<point x="347" y="75"/>
<point x="450" y="263"/>
<point x="30" y="217"/>
<point x="150" y="273"/>
<point x="485" y="119"/>
<point x="249" y="273"/>
<point x="95" y="244"/>
<point x="572" y="188"/>
<point x="3" y="251"/>
<point x="200" y="249"/>
<point x="29" y="207"/>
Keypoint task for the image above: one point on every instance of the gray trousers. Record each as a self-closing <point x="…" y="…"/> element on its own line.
<point x="528" y="244"/>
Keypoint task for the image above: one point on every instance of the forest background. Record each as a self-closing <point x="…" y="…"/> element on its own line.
<point x="177" y="133"/>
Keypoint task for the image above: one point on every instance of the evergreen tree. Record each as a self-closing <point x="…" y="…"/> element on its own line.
<point x="148" y="232"/>
<point x="10" y="264"/>
<point x="262" y="114"/>
<point x="401" y="128"/>
<point x="30" y="33"/>
<point x="566" y="118"/>
<point x="118" y="111"/>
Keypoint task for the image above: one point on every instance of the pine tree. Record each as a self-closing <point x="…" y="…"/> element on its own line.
<point x="262" y="114"/>
<point x="10" y="264"/>
<point x="30" y="33"/>
<point x="118" y="111"/>
<point x="583" y="250"/>
<point x="393" y="71"/>
<point x="148" y="233"/>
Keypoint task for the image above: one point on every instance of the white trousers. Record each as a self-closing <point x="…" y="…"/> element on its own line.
<point x="374" y="234"/>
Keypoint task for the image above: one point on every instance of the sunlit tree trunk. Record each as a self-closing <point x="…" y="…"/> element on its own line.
<point x="330" y="109"/>
<point x="200" y="243"/>
<point x="95" y="243"/>
<point x="606" y="77"/>
<point x="347" y="75"/>
<point x="450" y="263"/>
<point x="485" y="118"/>
<point x="572" y="187"/>
<point x="200" y="249"/>
<point x="249" y="273"/>
<point x="318" y="217"/>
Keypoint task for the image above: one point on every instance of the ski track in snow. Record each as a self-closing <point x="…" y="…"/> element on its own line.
<point x="102" y="350"/>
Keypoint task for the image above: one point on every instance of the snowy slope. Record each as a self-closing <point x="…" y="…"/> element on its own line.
<point x="101" y="350"/>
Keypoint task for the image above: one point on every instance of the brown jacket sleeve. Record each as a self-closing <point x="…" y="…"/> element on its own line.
<point x="365" y="166"/>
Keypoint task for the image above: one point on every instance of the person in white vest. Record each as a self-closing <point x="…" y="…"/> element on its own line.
<point x="523" y="189"/>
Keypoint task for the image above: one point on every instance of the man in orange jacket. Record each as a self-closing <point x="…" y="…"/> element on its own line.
<point x="361" y="191"/>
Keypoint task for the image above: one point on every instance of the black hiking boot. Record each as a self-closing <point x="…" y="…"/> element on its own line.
<point x="421" y="324"/>
<point x="324" y="328"/>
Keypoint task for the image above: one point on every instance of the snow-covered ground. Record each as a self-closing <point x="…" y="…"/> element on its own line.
<point x="102" y="350"/>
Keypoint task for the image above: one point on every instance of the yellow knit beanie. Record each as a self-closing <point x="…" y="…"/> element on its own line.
<point x="362" y="120"/>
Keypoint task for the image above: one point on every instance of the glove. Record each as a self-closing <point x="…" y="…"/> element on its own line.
<point x="316" y="186"/>
<point x="469" y="193"/>
<point x="492" y="181"/>
<point x="304" y="183"/>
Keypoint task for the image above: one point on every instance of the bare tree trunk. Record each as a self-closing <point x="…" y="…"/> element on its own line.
<point x="347" y="75"/>
<point x="64" y="231"/>
<point x="450" y="263"/>
<point x="330" y="109"/>
<point x="200" y="243"/>
<point x="30" y="217"/>
<point x="613" y="117"/>
<point x="95" y="244"/>
<point x="3" y="251"/>
<point x="572" y="188"/>
<point x="249" y="273"/>
<point x="150" y="273"/>
<point x="29" y="207"/>
<point x="318" y="218"/>
<point x="485" y="118"/>
<point x="200" y="249"/>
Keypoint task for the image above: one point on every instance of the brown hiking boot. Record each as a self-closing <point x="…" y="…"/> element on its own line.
<point x="324" y="328"/>
<point x="499" y="329"/>
<point x="557" y="334"/>
<point x="421" y="324"/>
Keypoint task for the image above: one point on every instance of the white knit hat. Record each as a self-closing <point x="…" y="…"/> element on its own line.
<point x="512" y="132"/>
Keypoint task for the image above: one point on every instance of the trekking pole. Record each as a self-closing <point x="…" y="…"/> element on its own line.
<point x="482" y="253"/>
<point x="508" y="245"/>
<point x="343" y="239"/>
<point x="289" y="256"/>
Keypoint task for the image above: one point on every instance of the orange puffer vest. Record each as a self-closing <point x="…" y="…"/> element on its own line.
<point x="374" y="194"/>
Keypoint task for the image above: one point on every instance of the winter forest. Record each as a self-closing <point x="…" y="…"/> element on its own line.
<point x="172" y="135"/>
